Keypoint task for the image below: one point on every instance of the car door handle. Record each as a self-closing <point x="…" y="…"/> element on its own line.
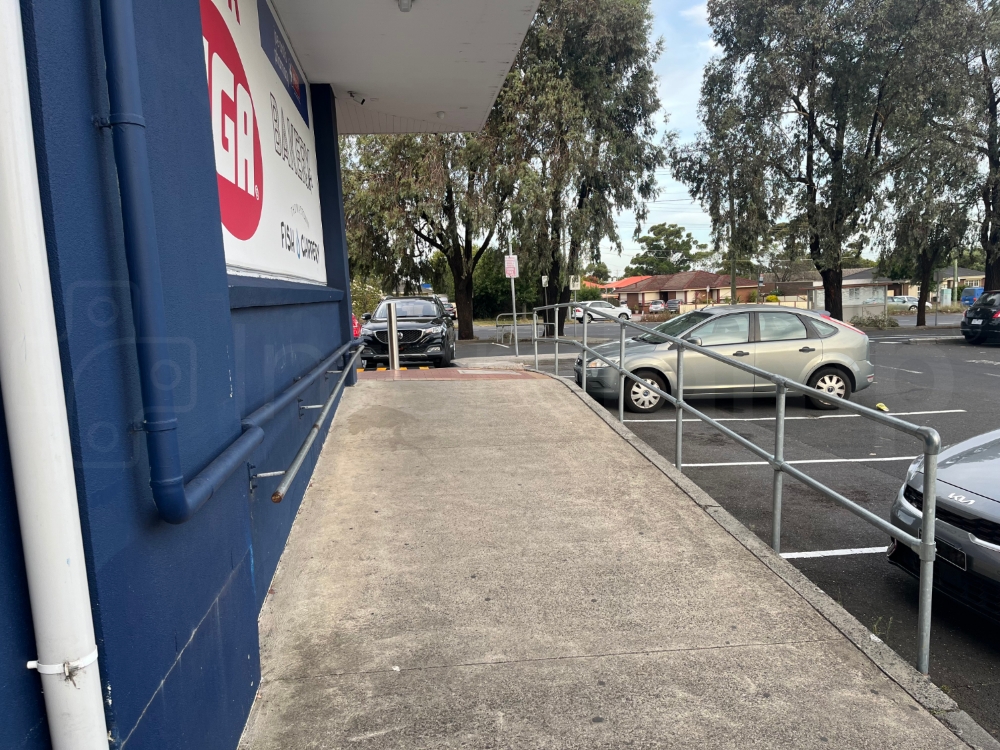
<point x="741" y="354"/>
<point x="807" y="349"/>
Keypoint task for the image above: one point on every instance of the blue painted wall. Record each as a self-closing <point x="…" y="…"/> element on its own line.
<point x="175" y="606"/>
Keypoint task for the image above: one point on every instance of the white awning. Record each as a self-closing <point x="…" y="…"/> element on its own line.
<point x="436" y="68"/>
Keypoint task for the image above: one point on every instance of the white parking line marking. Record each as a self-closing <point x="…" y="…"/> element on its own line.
<point x="992" y="374"/>
<point x="835" y="552"/>
<point x="806" y="461"/>
<point x="900" y="369"/>
<point x="822" y="416"/>
<point x="983" y="362"/>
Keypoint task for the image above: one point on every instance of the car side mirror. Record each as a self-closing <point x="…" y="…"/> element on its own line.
<point x="366" y="316"/>
<point x="694" y="340"/>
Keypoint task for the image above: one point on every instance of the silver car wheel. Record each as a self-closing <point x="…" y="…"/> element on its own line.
<point x="833" y="385"/>
<point x="642" y="396"/>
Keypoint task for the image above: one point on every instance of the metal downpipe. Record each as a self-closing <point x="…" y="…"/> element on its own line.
<point x="38" y="427"/>
<point x="175" y="500"/>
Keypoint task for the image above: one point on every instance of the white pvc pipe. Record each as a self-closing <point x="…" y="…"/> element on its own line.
<point x="37" y="427"/>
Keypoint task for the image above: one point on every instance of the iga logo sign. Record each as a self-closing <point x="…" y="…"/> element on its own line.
<point x="238" y="159"/>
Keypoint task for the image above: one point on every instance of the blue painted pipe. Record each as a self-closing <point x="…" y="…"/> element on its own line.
<point x="176" y="501"/>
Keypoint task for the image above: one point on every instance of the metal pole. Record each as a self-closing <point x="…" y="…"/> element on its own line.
<point x="928" y="551"/>
<point x="513" y="307"/>
<point x="621" y="376"/>
<point x="555" y="334"/>
<point x="779" y="457"/>
<point x="583" y="355"/>
<point x="393" y="336"/>
<point x="534" y="335"/>
<point x="679" y="410"/>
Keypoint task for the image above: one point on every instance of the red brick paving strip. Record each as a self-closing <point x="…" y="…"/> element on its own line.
<point x="448" y="373"/>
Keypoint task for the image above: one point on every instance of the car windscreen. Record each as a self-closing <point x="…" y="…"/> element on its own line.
<point x="676" y="326"/>
<point x="408" y="308"/>
<point x="989" y="299"/>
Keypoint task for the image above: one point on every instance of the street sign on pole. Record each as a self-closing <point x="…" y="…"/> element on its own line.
<point x="510" y="266"/>
<point x="545" y="282"/>
<point x="574" y="283"/>
<point x="510" y="271"/>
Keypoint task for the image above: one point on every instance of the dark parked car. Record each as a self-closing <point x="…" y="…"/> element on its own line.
<point x="424" y="330"/>
<point x="673" y="305"/>
<point x="981" y="322"/>
<point x="968" y="522"/>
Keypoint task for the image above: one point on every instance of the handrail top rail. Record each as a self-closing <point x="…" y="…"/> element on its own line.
<point x="930" y="436"/>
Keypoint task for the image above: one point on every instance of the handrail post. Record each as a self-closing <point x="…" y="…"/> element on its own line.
<point x="583" y="356"/>
<point x="555" y="336"/>
<point x="928" y="552"/>
<point x="534" y="334"/>
<point x="779" y="459"/>
<point x="621" y="374"/>
<point x="679" y="410"/>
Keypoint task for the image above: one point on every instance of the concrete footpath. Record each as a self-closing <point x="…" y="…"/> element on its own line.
<point x="484" y="561"/>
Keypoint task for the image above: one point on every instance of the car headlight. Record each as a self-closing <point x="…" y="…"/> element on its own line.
<point x="434" y="331"/>
<point x="600" y="363"/>
<point x="916" y="467"/>
<point x="366" y="331"/>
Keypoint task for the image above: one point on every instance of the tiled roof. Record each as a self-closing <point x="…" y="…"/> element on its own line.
<point x="677" y="282"/>
<point x="624" y="282"/>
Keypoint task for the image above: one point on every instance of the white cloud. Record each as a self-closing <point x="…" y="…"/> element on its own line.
<point x="697" y="13"/>
<point x="710" y="45"/>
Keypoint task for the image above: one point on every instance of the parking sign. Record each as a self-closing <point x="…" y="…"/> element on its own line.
<point x="510" y="266"/>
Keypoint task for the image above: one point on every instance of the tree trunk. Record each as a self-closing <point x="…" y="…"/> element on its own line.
<point x="989" y="231"/>
<point x="925" y="293"/>
<point x="833" y="291"/>
<point x="463" y="303"/>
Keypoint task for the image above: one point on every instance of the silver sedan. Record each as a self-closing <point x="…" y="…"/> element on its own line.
<point x="801" y="345"/>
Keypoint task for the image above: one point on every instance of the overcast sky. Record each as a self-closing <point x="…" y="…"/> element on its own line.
<point x="687" y="47"/>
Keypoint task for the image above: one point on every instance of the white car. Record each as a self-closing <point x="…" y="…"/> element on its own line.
<point x="910" y="302"/>
<point x="620" y="311"/>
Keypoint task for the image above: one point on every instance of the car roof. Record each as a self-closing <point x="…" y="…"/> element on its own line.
<point x="421" y="297"/>
<point x="752" y="307"/>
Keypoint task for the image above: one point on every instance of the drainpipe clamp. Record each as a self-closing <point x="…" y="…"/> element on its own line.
<point x="67" y="668"/>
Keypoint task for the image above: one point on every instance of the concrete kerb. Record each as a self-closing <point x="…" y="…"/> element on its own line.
<point x="920" y="688"/>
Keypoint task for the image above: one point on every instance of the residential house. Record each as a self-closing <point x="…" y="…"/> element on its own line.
<point x="689" y="287"/>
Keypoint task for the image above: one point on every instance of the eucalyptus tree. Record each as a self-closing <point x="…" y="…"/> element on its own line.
<point x="927" y="218"/>
<point x="586" y="101"/>
<point x="964" y="108"/>
<point x="413" y="195"/>
<point x="826" y="94"/>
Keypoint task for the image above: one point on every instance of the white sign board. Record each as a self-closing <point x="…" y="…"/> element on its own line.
<point x="545" y="282"/>
<point x="574" y="283"/>
<point x="265" y="148"/>
<point x="510" y="266"/>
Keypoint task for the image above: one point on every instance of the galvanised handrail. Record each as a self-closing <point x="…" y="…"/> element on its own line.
<point x="498" y="334"/>
<point x="924" y="546"/>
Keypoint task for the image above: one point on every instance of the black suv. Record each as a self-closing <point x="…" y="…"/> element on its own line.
<point x="981" y="322"/>
<point x="424" y="330"/>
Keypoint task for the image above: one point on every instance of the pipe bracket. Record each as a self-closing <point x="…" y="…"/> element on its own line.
<point x="67" y="668"/>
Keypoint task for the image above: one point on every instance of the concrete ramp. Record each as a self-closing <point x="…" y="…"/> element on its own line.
<point x="486" y="563"/>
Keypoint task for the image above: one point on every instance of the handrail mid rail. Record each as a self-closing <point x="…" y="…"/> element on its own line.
<point x="288" y="476"/>
<point x="924" y="546"/>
